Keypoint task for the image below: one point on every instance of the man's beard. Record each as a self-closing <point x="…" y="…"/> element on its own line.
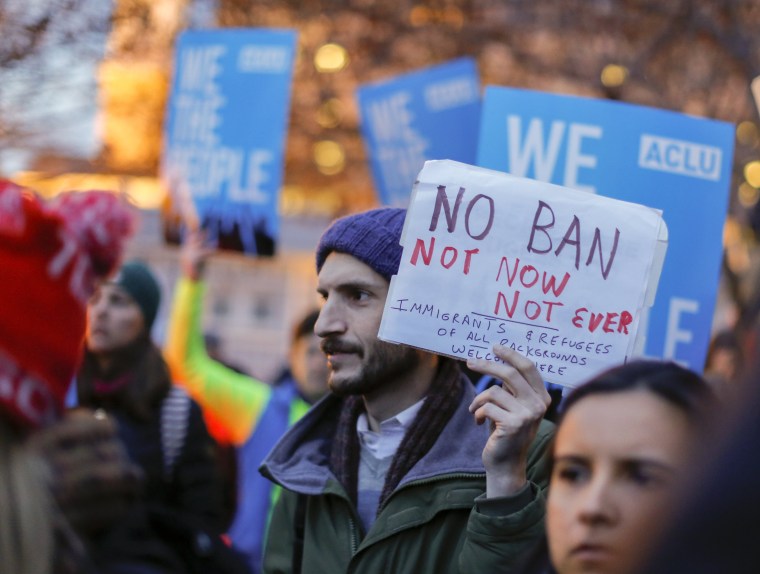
<point x="386" y="362"/>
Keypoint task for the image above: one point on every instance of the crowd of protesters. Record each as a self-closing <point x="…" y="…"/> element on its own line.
<point x="364" y="456"/>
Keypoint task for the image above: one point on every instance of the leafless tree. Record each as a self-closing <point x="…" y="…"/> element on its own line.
<point x="44" y="88"/>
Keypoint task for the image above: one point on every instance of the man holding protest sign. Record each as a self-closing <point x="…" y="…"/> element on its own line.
<point x="389" y="473"/>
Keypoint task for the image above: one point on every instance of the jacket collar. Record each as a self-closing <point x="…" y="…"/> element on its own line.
<point x="300" y="460"/>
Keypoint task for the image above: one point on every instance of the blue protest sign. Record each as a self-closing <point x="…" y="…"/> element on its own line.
<point x="670" y="161"/>
<point x="226" y="128"/>
<point x="428" y="114"/>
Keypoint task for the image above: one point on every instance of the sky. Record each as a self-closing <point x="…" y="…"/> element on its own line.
<point x="53" y="96"/>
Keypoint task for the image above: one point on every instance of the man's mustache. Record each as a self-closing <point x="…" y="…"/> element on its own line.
<point x="332" y="346"/>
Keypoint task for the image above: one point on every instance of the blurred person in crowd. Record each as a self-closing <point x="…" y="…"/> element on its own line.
<point x="724" y="362"/>
<point x="248" y="413"/>
<point x="390" y="472"/>
<point x="619" y="458"/>
<point x="124" y="374"/>
<point x="61" y="480"/>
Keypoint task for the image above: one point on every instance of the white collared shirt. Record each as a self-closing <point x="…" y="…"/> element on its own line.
<point x="377" y="450"/>
<point x="384" y="443"/>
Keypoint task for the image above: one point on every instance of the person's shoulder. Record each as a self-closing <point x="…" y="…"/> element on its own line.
<point x="543" y="439"/>
<point x="546" y="430"/>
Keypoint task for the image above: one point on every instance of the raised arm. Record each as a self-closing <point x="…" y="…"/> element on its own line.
<point x="234" y="400"/>
<point x="508" y="520"/>
<point x="514" y="410"/>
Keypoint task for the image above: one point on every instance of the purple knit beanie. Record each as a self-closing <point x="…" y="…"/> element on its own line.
<point x="371" y="236"/>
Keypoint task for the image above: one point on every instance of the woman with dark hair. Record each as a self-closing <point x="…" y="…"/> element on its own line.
<point x="124" y="374"/>
<point x="119" y="347"/>
<point x="622" y="442"/>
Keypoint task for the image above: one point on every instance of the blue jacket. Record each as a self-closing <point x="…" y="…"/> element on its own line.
<point x="249" y="527"/>
<point x="246" y="412"/>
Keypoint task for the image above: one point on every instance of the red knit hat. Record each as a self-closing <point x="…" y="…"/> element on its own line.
<point x="51" y="255"/>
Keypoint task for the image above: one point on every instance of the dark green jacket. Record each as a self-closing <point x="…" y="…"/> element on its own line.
<point x="431" y="523"/>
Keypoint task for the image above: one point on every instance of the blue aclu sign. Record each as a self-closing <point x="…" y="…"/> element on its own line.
<point x="407" y="120"/>
<point x="226" y="128"/>
<point x="673" y="162"/>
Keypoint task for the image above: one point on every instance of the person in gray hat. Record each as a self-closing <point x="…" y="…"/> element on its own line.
<point x="394" y="471"/>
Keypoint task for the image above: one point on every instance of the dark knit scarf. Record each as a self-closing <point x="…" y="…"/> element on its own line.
<point x="136" y="382"/>
<point x="441" y="401"/>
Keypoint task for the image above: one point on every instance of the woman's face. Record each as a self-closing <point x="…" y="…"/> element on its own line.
<point x="114" y="320"/>
<point x="617" y="459"/>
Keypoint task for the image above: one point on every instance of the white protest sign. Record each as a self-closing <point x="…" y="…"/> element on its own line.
<point x="559" y="275"/>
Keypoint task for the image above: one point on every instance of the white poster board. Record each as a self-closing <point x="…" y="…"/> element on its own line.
<point x="560" y="275"/>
